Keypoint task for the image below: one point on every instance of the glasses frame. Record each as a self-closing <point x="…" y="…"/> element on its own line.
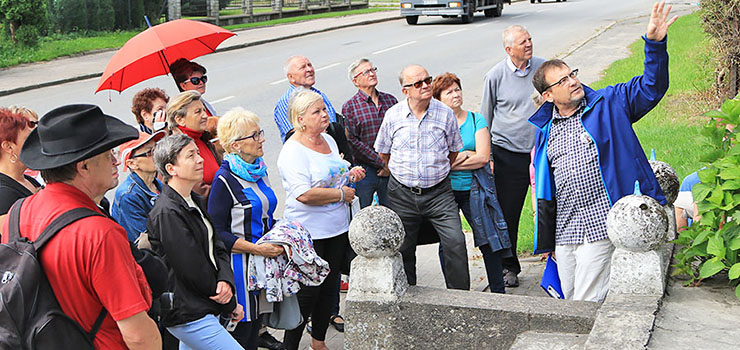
<point x="197" y="80"/>
<point x="572" y="75"/>
<point x="146" y="154"/>
<point x="260" y="134"/>
<point x="428" y="80"/>
<point x="366" y="72"/>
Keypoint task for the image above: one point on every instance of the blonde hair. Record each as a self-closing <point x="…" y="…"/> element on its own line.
<point x="232" y="124"/>
<point x="178" y="106"/>
<point x="299" y="102"/>
<point x="24" y="111"/>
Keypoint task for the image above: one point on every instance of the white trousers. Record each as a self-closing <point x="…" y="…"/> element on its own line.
<point x="584" y="269"/>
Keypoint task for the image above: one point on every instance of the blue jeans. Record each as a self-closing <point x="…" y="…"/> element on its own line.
<point x="204" y="333"/>
<point x="370" y="184"/>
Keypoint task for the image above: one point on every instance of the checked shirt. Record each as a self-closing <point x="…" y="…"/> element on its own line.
<point x="363" y="119"/>
<point x="580" y="195"/>
<point x="281" y="111"/>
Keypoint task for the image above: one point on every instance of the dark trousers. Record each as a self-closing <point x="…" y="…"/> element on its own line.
<point x="246" y="333"/>
<point x="492" y="260"/>
<point x="317" y="301"/>
<point x="512" y="183"/>
<point x="439" y="208"/>
<point x="369" y="185"/>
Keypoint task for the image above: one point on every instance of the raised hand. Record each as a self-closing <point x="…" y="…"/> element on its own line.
<point x="658" y="25"/>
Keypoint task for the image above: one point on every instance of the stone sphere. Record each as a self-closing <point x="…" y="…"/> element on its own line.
<point x="375" y="232"/>
<point x="667" y="179"/>
<point x="637" y="223"/>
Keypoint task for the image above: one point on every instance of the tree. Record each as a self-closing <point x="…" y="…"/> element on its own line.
<point x="722" y="23"/>
<point x="24" y="20"/>
<point x="83" y="15"/>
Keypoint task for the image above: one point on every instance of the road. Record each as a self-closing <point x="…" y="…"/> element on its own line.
<point x="254" y="79"/>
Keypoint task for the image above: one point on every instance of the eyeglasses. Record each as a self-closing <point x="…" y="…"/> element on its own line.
<point x="418" y="84"/>
<point x="373" y="70"/>
<point x="196" y="80"/>
<point x="259" y="135"/>
<point x="147" y="154"/>
<point x="573" y="74"/>
<point x="32" y="123"/>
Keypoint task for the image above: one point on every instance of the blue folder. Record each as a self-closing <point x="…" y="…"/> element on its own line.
<point x="550" y="279"/>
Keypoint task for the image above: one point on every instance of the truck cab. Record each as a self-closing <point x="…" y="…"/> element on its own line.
<point x="412" y="9"/>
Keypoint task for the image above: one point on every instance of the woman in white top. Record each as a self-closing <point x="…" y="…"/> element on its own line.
<point x="316" y="181"/>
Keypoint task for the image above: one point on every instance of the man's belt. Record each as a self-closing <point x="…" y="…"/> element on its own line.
<point x="420" y="191"/>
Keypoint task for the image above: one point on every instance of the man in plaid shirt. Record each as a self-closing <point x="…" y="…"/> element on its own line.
<point x="364" y="113"/>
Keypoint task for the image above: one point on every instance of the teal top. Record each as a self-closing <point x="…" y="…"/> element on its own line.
<point x="461" y="179"/>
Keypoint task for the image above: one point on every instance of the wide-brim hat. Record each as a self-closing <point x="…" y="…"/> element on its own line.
<point x="127" y="149"/>
<point x="72" y="133"/>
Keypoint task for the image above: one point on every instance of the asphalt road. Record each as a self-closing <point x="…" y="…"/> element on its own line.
<point x="254" y="79"/>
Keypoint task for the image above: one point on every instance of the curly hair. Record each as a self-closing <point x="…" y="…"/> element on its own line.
<point x="11" y="123"/>
<point x="443" y="82"/>
<point x="144" y="101"/>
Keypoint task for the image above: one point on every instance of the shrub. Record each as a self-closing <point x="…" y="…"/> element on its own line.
<point x="24" y="20"/>
<point x="83" y="15"/>
<point x="722" y="23"/>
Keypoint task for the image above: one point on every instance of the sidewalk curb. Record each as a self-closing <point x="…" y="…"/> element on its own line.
<point x="223" y="49"/>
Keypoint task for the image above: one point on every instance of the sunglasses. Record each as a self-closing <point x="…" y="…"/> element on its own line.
<point x="572" y="75"/>
<point x="147" y="154"/>
<point x="196" y="80"/>
<point x="256" y="136"/>
<point x="418" y="84"/>
<point x="32" y="123"/>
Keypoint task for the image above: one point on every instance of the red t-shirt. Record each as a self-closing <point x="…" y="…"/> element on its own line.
<point x="88" y="263"/>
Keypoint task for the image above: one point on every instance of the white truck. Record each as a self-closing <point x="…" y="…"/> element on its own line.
<point x="412" y="9"/>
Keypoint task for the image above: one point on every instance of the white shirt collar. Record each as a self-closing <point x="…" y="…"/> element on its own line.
<point x="510" y="64"/>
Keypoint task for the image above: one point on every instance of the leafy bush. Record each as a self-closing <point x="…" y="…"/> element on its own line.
<point x="714" y="240"/>
<point x="24" y="20"/>
<point x="83" y="15"/>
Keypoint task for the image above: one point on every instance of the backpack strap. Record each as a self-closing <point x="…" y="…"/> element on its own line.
<point x="97" y="324"/>
<point x="14" y="218"/>
<point x="61" y="222"/>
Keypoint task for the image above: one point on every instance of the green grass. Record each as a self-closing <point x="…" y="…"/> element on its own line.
<point x="672" y="127"/>
<point x="60" y="45"/>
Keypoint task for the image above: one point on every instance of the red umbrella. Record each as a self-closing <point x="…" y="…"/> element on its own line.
<point x="150" y="52"/>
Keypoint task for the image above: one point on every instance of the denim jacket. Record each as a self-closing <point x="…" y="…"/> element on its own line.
<point x="489" y="226"/>
<point x="132" y="204"/>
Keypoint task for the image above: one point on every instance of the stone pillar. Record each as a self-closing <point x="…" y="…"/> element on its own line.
<point x="248" y="7"/>
<point x="670" y="185"/>
<point x="173" y="10"/>
<point x="637" y="226"/>
<point x="277" y="6"/>
<point x="212" y="11"/>
<point x="377" y="279"/>
<point x="303" y="4"/>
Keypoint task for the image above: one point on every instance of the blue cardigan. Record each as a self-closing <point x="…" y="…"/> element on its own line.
<point x="608" y="119"/>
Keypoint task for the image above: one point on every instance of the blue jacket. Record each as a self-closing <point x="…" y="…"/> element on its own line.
<point x="608" y="119"/>
<point x="132" y="204"/>
<point x="489" y="226"/>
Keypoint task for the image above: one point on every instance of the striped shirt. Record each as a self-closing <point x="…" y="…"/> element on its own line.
<point x="419" y="148"/>
<point x="281" y="111"/>
<point x="241" y="209"/>
<point x="580" y="195"/>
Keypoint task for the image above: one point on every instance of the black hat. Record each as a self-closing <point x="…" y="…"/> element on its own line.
<point x="72" y="133"/>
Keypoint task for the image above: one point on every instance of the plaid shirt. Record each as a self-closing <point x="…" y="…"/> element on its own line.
<point x="419" y="148"/>
<point x="363" y="119"/>
<point x="580" y="195"/>
<point x="281" y="111"/>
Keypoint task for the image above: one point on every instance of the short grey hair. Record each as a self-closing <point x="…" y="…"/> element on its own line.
<point x="508" y="35"/>
<point x="353" y="66"/>
<point x="166" y="152"/>
<point x="289" y="62"/>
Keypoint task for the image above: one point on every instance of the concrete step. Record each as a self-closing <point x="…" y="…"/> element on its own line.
<point x="549" y="341"/>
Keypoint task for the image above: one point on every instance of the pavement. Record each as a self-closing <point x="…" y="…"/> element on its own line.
<point x="704" y="317"/>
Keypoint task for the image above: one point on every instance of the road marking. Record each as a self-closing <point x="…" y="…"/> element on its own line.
<point x="327" y="67"/>
<point x="481" y="25"/>
<point x="538" y="11"/>
<point x="519" y="16"/>
<point x="222" y="99"/>
<point x="394" y="47"/>
<point x="279" y="81"/>
<point x="452" y="32"/>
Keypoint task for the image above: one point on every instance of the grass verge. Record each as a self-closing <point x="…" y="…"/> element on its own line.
<point x="60" y="45"/>
<point x="672" y="127"/>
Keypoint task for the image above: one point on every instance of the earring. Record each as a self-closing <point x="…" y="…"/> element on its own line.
<point x="13" y="158"/>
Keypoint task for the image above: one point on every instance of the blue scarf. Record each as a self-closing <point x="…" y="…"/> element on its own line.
<point x="249" y="172"/>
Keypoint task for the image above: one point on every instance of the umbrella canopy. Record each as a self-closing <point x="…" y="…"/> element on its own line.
<point x="150" y="53"/>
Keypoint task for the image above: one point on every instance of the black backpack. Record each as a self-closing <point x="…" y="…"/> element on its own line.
<point x="30" y="315"/>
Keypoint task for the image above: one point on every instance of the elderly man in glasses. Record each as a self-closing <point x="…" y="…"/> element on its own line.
<point x="300" y="73"/>
<point x="587" y="157"/>
<point x="506" y="105"/>
<point x="419" y="139"/>
<point x="364" y="113"/>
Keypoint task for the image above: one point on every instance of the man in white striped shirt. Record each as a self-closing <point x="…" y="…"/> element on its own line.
<point x="300" y="73"/>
